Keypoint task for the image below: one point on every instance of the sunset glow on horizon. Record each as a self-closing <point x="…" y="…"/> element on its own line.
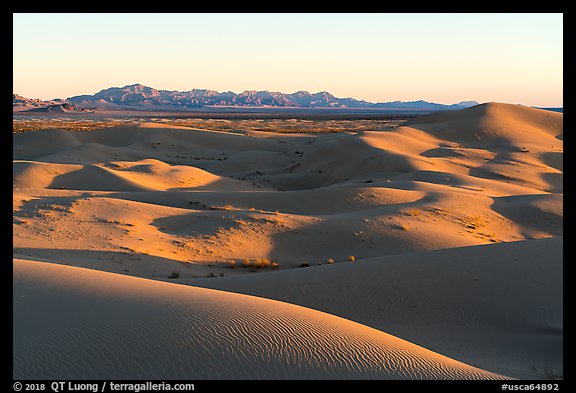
<point x="444" y="58"/>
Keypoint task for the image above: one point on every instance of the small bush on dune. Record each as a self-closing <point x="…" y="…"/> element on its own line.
<point x="262" y="263"/>
<point x="476" y="222"/>
<point x="413" y="212"/>
<point x="226" y="207"/>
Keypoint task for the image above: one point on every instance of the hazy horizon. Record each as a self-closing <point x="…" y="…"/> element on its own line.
<point x="238" y="92"/>
<point x="442" y="58"/>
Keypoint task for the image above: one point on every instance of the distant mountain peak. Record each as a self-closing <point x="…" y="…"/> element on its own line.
<point x="467" y="104"/>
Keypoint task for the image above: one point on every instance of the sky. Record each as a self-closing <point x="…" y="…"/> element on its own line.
<point x="444" y="58"/>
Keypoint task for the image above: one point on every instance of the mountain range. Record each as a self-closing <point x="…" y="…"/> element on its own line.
<point x="138" y="96"/>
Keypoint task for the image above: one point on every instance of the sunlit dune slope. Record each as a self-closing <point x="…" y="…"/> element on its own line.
<point x="72" y="323"/>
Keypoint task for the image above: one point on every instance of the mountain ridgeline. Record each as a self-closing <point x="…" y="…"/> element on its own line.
<point x="139" y="95"/>
<point x="142" y="97"/>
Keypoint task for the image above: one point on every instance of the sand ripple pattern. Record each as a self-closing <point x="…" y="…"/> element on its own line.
<point x="72" y="323"/>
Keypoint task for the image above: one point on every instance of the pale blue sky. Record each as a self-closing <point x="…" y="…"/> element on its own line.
<point x="443" y="58"/>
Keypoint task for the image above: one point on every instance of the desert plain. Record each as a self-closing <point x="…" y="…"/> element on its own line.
<point x="429" y="248"/>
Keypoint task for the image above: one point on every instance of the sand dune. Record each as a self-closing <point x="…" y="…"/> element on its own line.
<point x="118" y="322"/>
<point x="461" y="302"/>
<point x="493" y="124"/>
<point x="157" y="201"/>
<point x="142" y="175"/>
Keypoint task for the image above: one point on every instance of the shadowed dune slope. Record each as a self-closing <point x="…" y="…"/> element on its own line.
<point x="72" y="323"/>
<point x="496" y="306"/>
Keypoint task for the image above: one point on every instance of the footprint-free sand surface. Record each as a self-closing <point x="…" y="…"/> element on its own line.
<point x="454" y="221"/>
<point x="103" y="325"/>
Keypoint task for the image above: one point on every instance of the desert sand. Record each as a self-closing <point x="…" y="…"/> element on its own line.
<point x="126" y="327"/>
<point x="454" y="221"/>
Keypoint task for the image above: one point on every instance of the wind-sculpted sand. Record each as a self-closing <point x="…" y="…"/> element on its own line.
<point x="101" y="326"/>
<point x="191" y="206"/>
<point x="461" y="302"/>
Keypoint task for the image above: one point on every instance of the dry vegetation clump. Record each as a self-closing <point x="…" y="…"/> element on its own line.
<point x="225" y="207"/>
<point x="330" y="261"/>
<point x="261" y="263"/>
<point x="412" y="212"/>
<point x="475" y="222"/>
<point x="111" y="221"/>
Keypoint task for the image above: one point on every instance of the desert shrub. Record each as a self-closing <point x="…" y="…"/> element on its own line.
<point x="413" y="212"/>
<point x="476" y="222"/>
<point x="226" y="207"/>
